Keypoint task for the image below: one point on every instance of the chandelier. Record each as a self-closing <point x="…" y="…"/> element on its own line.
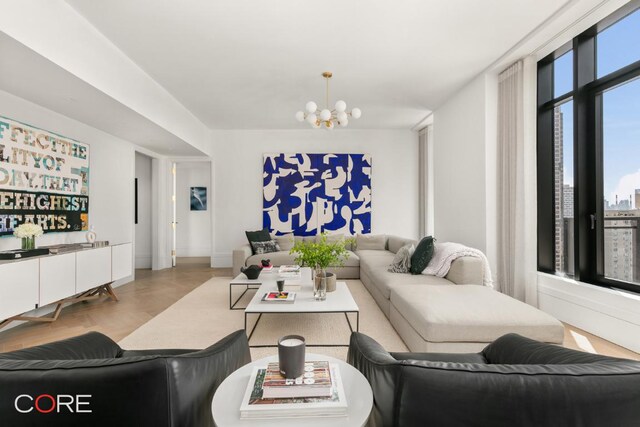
<point x="327" y="118"/>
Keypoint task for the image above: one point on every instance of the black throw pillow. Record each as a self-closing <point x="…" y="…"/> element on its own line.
<point x="257" y="236"/>
<point x="422" y="255"/>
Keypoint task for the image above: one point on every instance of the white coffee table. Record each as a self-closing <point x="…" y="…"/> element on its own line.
<point x="338" y="301"/>
<point x="228" y="398"/>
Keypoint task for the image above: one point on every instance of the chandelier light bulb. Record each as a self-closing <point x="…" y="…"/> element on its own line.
<point x="311" y="107"/>
<point x="325" y="114"/>
<point x="311" y="119"/>
<point x="327" y="118"/>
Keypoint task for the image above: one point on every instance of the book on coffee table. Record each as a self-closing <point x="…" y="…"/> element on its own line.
<point x="279" y="297"/>
<point x="256" y="406"/>
<point x="314" y="382"/>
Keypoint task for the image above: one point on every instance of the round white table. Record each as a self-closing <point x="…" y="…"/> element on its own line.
<point x="228" y="398"/>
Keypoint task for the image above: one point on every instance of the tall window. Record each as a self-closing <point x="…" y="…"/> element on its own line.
<point x="589" y="155"/>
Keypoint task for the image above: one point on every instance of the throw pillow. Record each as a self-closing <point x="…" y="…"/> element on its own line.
<point x="285" y="241"/>
<point x="402" y="260"/>
<point x="376" y="242"/>
<point x="257" y="236"/>
<point x="422" y="255"/>
<point x="265" y="247"/>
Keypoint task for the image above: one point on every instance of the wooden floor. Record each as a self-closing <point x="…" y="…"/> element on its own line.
<point x="154" y="291"/>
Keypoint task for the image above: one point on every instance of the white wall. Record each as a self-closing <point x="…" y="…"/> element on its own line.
<point x="143" y="227"/>
<point x="238" y="174"/>
<point x="194" y="227"/>
<point x="110" y="180"/>
<point x="464" y="167"/>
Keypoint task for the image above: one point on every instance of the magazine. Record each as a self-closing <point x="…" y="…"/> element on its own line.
<point x="315" y="382"/>
<point x="279" y="297"/>
<point x="255" y="406"/>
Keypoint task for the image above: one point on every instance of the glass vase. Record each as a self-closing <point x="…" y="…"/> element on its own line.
<point x="320" y="285"/>
<point x="28" y="243"/>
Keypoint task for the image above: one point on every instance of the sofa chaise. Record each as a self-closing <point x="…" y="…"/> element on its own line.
<point x="454" y="313"/>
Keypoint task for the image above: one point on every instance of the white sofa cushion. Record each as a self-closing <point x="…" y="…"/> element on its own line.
<point x="376" y="242"/>
<point x="471" y="313"/>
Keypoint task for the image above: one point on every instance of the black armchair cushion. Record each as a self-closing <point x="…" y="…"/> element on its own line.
<point x="92" y="345"/>
<point x="515" y="381"/>
<point x="127" y="388"/>
<point x="515" y="349"/>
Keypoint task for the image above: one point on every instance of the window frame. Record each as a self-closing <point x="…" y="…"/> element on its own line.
<point x="587" y="153"/>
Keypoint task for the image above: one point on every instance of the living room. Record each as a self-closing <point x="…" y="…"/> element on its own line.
<point x="422" y="203"/>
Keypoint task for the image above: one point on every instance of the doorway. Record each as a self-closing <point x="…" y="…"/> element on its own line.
<point x="192" y="213"/>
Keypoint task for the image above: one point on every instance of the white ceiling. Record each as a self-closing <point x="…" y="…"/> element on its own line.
<point x="34" y="78"/>
<point x="251" y="64"/>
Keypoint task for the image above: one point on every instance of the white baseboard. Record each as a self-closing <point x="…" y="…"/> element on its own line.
<point x="610" y="314"/>
<point x="222" y="260"/>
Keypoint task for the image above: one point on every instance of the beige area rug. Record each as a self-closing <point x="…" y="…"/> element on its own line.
<point x="202" y="317"/>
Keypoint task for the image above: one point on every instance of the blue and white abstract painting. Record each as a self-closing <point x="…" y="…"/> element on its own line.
<point x="307" y="194"/>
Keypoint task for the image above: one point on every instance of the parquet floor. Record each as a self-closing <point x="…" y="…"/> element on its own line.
<point x="154" y="291"/>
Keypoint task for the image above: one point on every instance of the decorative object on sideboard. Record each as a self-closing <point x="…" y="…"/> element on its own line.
<point x="28" y="233"/>
<point x="327" y="118"/>
<point x="252" y="272"/>
<point x="309" y="193"/>
<point x="321" y="254"/>
<point x="91" y="235"/>
<point x="58" y="199"/>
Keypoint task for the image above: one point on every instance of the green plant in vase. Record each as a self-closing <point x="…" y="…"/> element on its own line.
<point x="319" y="255"/>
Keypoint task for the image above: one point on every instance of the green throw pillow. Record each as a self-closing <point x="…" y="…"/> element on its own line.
<point x="257" y="236"/>
<point x="422" y="255"/>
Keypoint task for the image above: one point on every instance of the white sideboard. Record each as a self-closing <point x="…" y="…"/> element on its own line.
<point x="35" y="282"/>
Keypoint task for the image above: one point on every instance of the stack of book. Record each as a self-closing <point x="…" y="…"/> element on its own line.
<point x="279" y="297"/>
<point x="289" y="271"/>
<point x="292" y="277"/>
<point x="318" y="393"/>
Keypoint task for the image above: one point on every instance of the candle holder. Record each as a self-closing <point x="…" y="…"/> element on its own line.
<point x="291" y="349"/>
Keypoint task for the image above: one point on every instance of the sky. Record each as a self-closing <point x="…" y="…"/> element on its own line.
<point x="617" y="46"/>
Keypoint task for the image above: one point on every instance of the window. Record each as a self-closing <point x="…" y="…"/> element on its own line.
<point x="589" y="155"/>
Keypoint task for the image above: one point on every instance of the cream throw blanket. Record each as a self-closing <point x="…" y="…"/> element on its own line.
<point x="445" y="253"/>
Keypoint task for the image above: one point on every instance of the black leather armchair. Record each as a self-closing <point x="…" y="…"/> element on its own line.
<point x="56" y="384"/>
<point x="515" y="381"/>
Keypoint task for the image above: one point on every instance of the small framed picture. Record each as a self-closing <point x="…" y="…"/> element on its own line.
<point x="198" y="198"/>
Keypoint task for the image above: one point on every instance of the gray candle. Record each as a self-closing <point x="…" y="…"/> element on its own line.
<point x="291" y="349"/>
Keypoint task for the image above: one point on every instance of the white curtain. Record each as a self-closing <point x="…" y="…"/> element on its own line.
<point x="511" y="224"/>
<point x="422" y="182"/>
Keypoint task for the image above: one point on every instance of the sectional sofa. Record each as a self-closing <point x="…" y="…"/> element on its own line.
<point x="430" y="313"/>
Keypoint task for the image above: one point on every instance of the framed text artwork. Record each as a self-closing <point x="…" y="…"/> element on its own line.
<point x="307" y="194"/>
<point x="44" y="179"/>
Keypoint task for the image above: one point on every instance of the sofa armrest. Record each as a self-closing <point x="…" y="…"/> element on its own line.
<point x="239" y="257"/>
<point x="466" y="271"/>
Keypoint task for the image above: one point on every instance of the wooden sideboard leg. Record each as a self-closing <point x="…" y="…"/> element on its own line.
<point x="111" y="293"/>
